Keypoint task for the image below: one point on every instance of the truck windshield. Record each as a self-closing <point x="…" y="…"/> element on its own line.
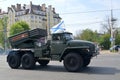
<point x="68" y="36"/>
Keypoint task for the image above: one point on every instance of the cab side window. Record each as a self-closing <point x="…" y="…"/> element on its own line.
<point x="56" y="37"/>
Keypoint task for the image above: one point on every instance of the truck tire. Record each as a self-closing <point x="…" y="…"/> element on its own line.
<point x="43" y="62"/>
<point x="13" y="60"/>
<point x="73" y="62"/>
<point x="86" y="62"/>
<point x="28" y="61"/>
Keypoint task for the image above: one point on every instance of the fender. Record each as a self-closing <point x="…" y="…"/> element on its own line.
<point x="71" y="48"/>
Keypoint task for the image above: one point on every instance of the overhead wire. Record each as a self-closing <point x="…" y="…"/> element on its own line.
<point x="88" y="11"/>
<point x="87" y="23"/>
<point x="85" y="12"/>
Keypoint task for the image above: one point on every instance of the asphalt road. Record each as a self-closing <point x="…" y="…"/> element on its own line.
<point x="103" y="67"/>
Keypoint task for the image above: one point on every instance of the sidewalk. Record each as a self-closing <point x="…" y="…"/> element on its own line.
<point x="108" y="52"/>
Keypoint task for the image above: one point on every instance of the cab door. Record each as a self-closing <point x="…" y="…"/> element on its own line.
<point x="57" y="45"/>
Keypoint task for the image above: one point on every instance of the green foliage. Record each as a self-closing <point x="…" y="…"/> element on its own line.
<point x="3" y="27"/>
<point x="117" y="39"/>
<point x="101" y="39"/>
<point x="105" y="41"/>
<point x="24" y="25"/>
<point x="1" y="33"/>
<point x="19" y="27"/>
<point x="88" y="35"/>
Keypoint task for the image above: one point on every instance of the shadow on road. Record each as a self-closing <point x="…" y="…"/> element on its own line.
<point x="53" y="68"/>
<point x="101" y="70"/>
<point x="87" y="70"/>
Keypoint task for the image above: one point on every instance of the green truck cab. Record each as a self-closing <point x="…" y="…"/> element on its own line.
<point x="31" y="46"/>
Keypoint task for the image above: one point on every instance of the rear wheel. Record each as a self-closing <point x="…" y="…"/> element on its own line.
<point x="13" y="60"/>
<point x="28" y="61"/>
<point x="73" y="62"/>
<point x="43" y="62"/>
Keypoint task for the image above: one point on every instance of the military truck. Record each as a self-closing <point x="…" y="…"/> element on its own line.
<point x="31" y="46"/>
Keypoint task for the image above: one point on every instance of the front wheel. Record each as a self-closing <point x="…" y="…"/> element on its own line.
<point x="28" y="61"/>
<point x="73" y="62"/>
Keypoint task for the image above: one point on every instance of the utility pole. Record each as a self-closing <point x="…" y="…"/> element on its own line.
<point x="112" y="29"/>
<point x="48" y="22"/>
<point x="112" y="39"/>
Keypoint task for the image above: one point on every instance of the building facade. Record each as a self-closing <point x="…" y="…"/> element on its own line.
<point x="35" y="15"/>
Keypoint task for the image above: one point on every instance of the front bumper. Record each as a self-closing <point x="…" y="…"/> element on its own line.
<point x="96" y="52"/>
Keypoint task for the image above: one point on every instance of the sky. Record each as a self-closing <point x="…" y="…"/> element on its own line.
<point x="77" y="14"/>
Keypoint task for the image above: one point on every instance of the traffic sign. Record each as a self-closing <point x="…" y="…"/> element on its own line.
<point x="112" y="39"/>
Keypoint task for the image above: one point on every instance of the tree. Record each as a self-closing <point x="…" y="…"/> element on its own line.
<point x="105" y="41"/>
<point x="106" y="26"/>
<point x="88" y="35"/>
<point x="24" y="24"/>
<point x="19" y="27"/>
<point x="117" y="36"/>
<point x="102" y="39"/>
<point x="1" y="33"/>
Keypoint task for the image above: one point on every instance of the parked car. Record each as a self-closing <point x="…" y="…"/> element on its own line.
<point x="116" y="48"/>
